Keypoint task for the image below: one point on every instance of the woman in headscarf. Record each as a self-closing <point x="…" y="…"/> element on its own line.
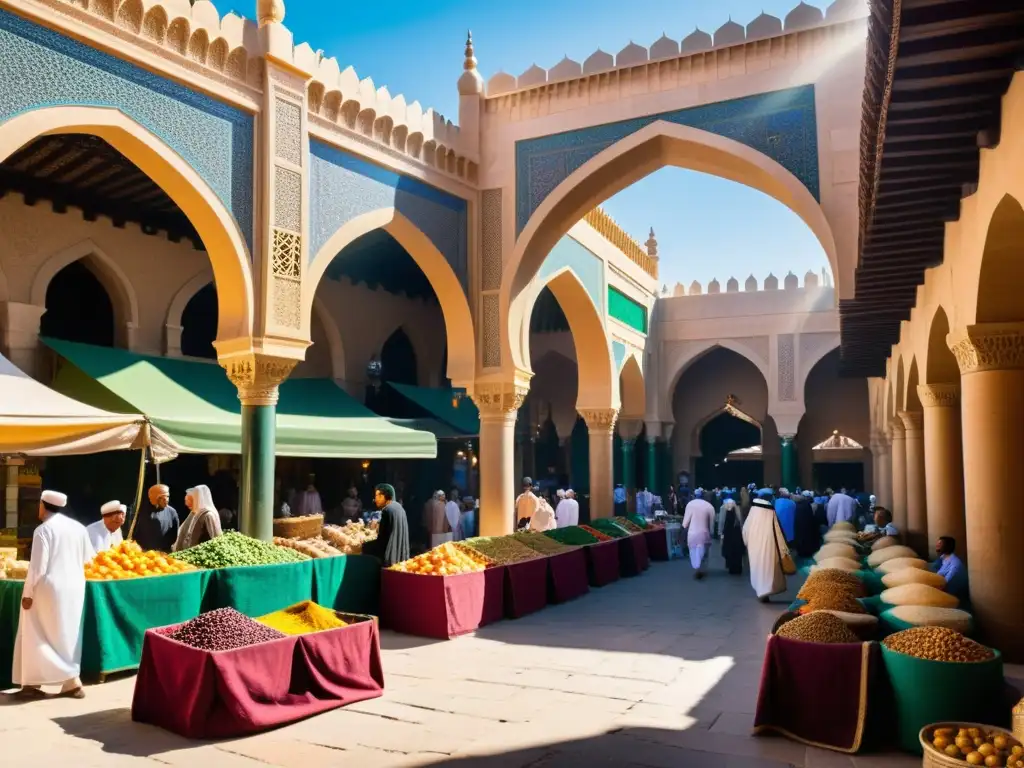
<point x="766" y="546"/>
<point x="203" y="521"/>
<point x="808" y="535"/>
<point x="732" y="538"/>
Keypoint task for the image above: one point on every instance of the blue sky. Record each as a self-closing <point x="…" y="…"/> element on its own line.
<point x="706" y="227"/>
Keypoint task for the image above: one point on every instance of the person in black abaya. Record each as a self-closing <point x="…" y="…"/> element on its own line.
<point x="392" y="543"/>
<point x="732" y="538"/>
<point x="808" y="532"/>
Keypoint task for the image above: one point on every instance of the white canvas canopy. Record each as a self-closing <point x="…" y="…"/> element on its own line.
<point x="36" y="421"/>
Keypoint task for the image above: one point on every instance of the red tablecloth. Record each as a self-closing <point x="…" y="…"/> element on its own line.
<point x="633" y="555"/>
<point x="657" y="544"/>
<point x="526" y="587"/>
<point x="441" y="606"/>
<point x="603" y="562"/>
<point x="567" y="576"/>
<point x="640" y="550"/>
<point x="201" y="694"/>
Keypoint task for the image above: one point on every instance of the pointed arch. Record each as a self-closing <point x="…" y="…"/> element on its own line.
<point x="687" y="356"/>
<point x="334" y="341"/>
<point x="939" y="365"/>
<point x="999" y="280"/>
<point x="655" y="146"/>
<point x="632" y="389"/>
<point x="195" y="284"/>
<point x="225" y="245"/>
<point x="911" y="400"/>
<point x="458" y="320"/>
<point x="898" y="393"/>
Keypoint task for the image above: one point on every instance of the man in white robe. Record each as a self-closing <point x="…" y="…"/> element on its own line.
<point x="544" y="518"/>
<point x="766" y="545"/>
<point x="48" y="647"/>
<point x="562" y="510"/>
<point x="574" y="510"/>
<point x="105" y="533"/>
<point x="527" y="503"/>
<point x="644" y="503"/>
<point x="308" y="502"/>
<point x="698" y="520"/>
<point x="453" y="512"/>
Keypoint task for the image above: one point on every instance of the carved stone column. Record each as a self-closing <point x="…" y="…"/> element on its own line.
<point x="917" y="513"/>
<point x="498" y="404"/>
<point x="787" y="452"/>
<point x="881" y="452"/>
<point x="601" y="429"/>
<point x="943" y="462"/>
<point x="899" y="475"/>
<point x="19" y="334"/>
<point x="257" y="378"/>
<point x="991" y="361"/>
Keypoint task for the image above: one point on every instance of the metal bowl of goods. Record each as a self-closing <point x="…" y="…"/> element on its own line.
<point x="955" y="745"/>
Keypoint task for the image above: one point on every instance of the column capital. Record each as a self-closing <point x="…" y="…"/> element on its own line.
<point x="939" y="395"/>
<point x="988" y="347"/>
<point x="600" y="419"/>
<point x="787" y="438"/>
<point x="500" y="400"/>
<point x="257" y="376"/>
<point x="913" y="421"/>
<point x="896" y="430"/>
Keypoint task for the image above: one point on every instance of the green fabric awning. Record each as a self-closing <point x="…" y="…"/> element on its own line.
<point x="437" y="428"/>
<point x="194" y="402"/>
<point x="442" y="404"/>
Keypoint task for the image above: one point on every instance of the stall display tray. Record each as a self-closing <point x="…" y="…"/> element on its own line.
<point x="441" y="606"/>
<point x="603" y="562"/>
<point x="657" y="544"/>
<point x="567" y="576"/>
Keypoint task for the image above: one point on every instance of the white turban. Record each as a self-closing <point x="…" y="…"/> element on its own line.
<point x="112" y="508"/>
<point x="54" y="498"/>
<point x="561" y="493"/>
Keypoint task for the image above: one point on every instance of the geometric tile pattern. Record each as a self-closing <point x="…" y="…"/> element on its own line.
<point x="587" y="267"/>
<point x="43" y="68"/>
<point x="490" y="237"/>
<point x="780" y="124"/>
<point x="787" y="363"/>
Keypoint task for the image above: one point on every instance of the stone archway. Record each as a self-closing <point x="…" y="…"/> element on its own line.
<point x="225" y="244"/>
<point x="632" y="390"/>
<point x="686" y="357"/>
<point x="458" y="319"/>
<point x="1000" y="279"/>
<point x="655" y="146"/>
<point x="336" y="347"/>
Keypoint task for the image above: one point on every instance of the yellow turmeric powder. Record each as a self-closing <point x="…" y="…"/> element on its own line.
<point x="302" y="619"/>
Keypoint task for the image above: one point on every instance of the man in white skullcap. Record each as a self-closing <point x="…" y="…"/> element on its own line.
<point x="562" y="509"/>
<point x="105" y="533"/>
<point x="48" y="648"/>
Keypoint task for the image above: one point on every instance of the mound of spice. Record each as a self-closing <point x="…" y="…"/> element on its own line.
<point x="608" y="527"/>
<point x="938" y="644"/>
<point x="503" y="550"/>
<point x="302" y="619"/>
<point x="574" y="535"/>
<point x="626" y="523"/>
<point x="540" y="542"/>
<point x="223" y="630"/>
<point x="819" y="627"/>
<point x="596" y="533"/>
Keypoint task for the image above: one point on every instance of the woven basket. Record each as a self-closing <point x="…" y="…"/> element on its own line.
<point x="308" y="527"/>
<point x="935" y="759"/>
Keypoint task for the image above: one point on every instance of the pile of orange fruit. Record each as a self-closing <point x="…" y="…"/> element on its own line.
<point x="446" y="560"/>
<point x="128" y="561"/>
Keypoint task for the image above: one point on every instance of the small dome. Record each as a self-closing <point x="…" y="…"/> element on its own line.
<point x="714" y="286"/>
<point x="502" y="82"/>
<point x="664" y="48"/>
<point x="791" y="282"/>
<point x="846" y="9"/>
<point x="732" y="286"/>
<point x="631" y="55"/>
<point x="598" y="61"/>
<point x="566" y="69"/>
<point x="729" y="33"/>
<point x="771" y="283"/>
<point x="696" y="41"/>
<point x="803" y="16"/>
<point x="751" y="284"/>
<point x="533" y="76"/>
<point x="811" y="279"/>
<point x="679" y="290"/>
<point x="695" y="289"/>
<point x="764" y="25"/>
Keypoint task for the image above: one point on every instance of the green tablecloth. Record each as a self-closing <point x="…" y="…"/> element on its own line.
<point x="350" y="583"/>
<point x="10" y="613"/>
<point x="118" y="613"/>
<point x="257" y="590"/>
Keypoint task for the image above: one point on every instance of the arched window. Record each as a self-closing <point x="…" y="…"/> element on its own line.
<point x="78" y="308"/>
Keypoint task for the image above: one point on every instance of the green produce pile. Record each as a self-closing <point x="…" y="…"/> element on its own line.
<point x="573" y="535"/>
<point x="638" y="521"/>
<point x="626" y="524"/>
<point x="540" y="542"/>
<point x="233" y="549"/>
<point x="608" y="528"/>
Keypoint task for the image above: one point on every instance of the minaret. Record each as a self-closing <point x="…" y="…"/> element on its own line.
<point x="471" y="90"/>
<point x="652" y="250"/>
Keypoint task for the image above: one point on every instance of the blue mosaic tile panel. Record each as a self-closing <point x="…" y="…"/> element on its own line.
<point x="42" y="68"/>
<point x="780" y="124"/>
<point x="619" y="353"/>
<point x="343" y="186"/>
<point x="584" y="264"/>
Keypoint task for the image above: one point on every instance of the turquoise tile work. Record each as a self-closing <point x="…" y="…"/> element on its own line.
<point x="619" y="352"/>
<point x="626" y="310"/>
<point x="343" y="186"/>
<point x="42" y="68"/>
<point x="781" y="124"/>
<point x="587" y="267"/>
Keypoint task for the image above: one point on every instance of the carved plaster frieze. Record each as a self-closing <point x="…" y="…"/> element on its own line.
<point x="258" y="377"/>
<point x="988" y="347"/>
<point x="500" y="399"/>
<point x="913" y="421"/>
<point x="600" y="419"/>
<point x="939" y="395"/>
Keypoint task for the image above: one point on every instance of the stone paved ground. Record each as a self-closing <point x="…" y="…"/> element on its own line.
<point x="653" y="671"/>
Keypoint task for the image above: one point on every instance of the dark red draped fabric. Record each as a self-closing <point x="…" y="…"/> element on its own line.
<point x="526" y="587"/>
<point x="603" y="562"/>
<point x="202" y="694"/>
<point x="567" y="576"/>
<point x="640" y="551"/>
<point x="633" y="557"/>
<point x="441" y="606"/>
<point x="657" y="544"/>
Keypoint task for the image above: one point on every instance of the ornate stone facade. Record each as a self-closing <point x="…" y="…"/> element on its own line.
<point x="258" y="377"/>
<point x="497" y="400"/>
<point x="939" y="395"/>
<point x="600" y="419"/>
<point x="913" y="421"/>
<point x="989" y="347"/>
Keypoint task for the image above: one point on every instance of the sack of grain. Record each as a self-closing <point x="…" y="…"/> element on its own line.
<point x="901" y="563"/>
<point x="835" y="550"/>
<point x="875" y="559"/>
<point x="918" y="594"/>
<point x="841" y="563"/>
<point x="914" y="576"/>
<point x="841" y="537"/>
<point x="827" y="579"/>
<point x="861" y="623"/>
<point x="885" y="541"/>
<point x="928" y="616"/>
<point x="844" y="526"/>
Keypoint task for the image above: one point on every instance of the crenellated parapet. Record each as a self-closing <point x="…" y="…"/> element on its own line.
<point x="812" y="280"/>
<point x="607" y="227"/>
<point x="635" y="62"/>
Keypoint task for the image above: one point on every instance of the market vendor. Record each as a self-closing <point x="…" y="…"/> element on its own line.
<point x="203" y="521"/>
<point x="105" y="533"/>
<point x="157" y="528"/>
<point x="882" y="526"/>
<point x="527" y="504"/>
<point x="435" y="520"/>
<point x="392" y="543"/>
<point x="48" y="648"/>
<point x="544" y="519"/>
<point x="949" y="565"/>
